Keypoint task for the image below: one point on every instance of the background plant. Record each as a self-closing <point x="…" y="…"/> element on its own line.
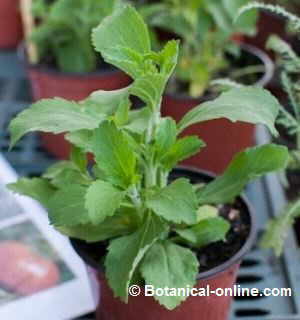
<point x="63" y="31"/>
<point x="206" y="28"/>
<point x="289" y="119"/>
<point x="125" y="200"/>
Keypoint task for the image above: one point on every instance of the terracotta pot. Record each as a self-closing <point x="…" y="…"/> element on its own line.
<point x="10" y="24"/>
<point x="50" y="83"/>
<point x="223" y="138"/>
<point x="212" y="307"/>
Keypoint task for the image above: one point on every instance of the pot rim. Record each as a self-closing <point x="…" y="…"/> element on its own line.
<point x="262" y="82"/>
<point x="235" y="259"/>
<point x="21" y="53"/>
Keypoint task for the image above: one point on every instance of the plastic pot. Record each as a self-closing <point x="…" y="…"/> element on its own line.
<point x="208" y="308"/>
<point x="10" y="24"/>
<point x="49" y="83"/>
<point x="223" y="138"/>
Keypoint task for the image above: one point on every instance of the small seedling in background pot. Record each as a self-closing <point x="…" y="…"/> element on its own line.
<point x="152" y="227"/>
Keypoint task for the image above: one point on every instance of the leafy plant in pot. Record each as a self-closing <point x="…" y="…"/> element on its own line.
<point x="10" y="24"/>
<point x="63" y="62"/>
<point x="132" y="217"/>
<point x="208" y="51"/>
<point x="289" y="119"/>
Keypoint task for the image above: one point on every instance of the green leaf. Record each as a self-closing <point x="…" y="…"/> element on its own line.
<point x="106" y="102"/>
<point x="206" y="212"/>
<point x="138" y="120"/>
<point x="246" y="24"/>
<point x="205" y="232"/>
<point x="57" y="168"/>
<point x="123" y="39"/>
<point x="182" y="149"/>
<point x="65" y="172"/>
<point x="176" y="203"/>
<point x="102" y="200"/>
<point x="117" y="225"/>
<point x="245" y="166"/>
<point x="252" y="105"/>
<point x="165" y="136"/>
<point x="36" y="188"/>
<point x="65" y="116"/>
<point x="66" y="206"/>
<point x="125" y="253"/>
<point x="169" y="57"/>
<point x="78" y="157"/>
<point x="122" y="114"/>
<point x="149" y="88"/>
<point x="278" y="228"/>
<point x="169" y="265"/>
<point x="114" y="155"/>
<point x="81" y="139"/>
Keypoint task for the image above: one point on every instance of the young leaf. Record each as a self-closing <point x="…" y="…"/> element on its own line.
<point x="106" y="102"/>
<point x="123" y="39"/>
<point x="169" y="57"/>
<point x="36" y="188"/>
<point x="128" y="251"/>
<point x="66" y="206"/>
<point x="176" y="203"/>
<point x="114" y="155"/>
<point x="252" y="105"/>
<point x="102" y="200"/>
<point x="149" y="88"/>
<point x="169" y="265"/>
<point x="245" y="166"/>
<point x="65" y="116"/>
<point x="165" y="136"/>
<point x="122" y="114"/>
<point x="277" y="229"/>
<point x="182" y="149"/>
<point x="205" y="232"/>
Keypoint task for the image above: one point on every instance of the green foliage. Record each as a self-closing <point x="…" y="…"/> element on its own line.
<point x="64" y="28"/>
<point x="164" y="259"/>
<point x="278" y="228"/>
<point x="206" y="29"/>
<point x="126" y="199"/>
<point x="245" y="167"/>
<point x="205" y="232"/>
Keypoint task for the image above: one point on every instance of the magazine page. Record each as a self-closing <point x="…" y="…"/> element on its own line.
<point x="41" y="277"/>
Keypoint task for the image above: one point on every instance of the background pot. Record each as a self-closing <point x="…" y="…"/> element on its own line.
<point x="194" y="308"/>
<point x="48" y="83"/>
<point x="223" y="138"/>
<point x="10" y="24"/>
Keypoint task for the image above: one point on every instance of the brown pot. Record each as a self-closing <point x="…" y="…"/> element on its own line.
<point x="212" y="307"/>
<point x="10" y="24"/>
<point x="223" y="138"/>
<point x="50" y="83"/>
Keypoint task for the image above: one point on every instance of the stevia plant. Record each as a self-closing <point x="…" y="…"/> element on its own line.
<point x="62" y="33"/>
<point x="288" y="119"/>
<point x="206" y="28"/>
<point x="126" y="200"/>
